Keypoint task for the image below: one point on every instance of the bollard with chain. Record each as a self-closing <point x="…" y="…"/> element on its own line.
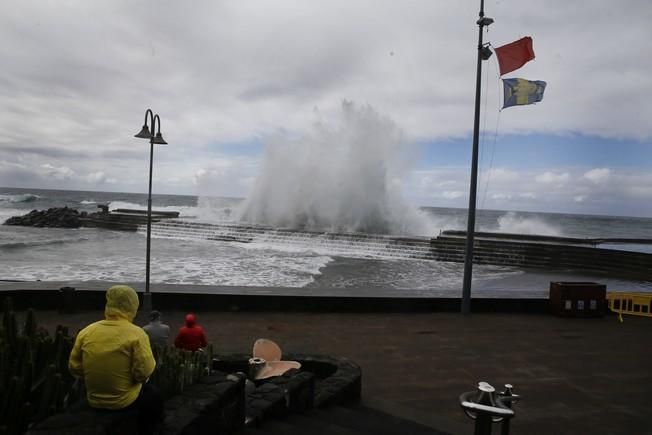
<point x="486" y="406"/>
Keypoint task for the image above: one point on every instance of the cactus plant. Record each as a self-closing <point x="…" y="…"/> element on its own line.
<point x="12" y="402"/>
<point x="9" y="327"/>
<point x="29" y="328"/>
<point x="47" y="393"/>
<point x="34" y="376"/>
<point x="24" y="417"/>
<point x="4" y="365"/>
<point x="177" y="369"/>
<point x="8" y="305"/>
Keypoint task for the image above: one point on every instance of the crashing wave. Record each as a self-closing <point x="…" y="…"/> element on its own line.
<point x="25" y="197"/>
<point x="341" y="178"/>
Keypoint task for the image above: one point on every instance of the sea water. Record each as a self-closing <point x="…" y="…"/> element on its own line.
<point x="54" y="254"/>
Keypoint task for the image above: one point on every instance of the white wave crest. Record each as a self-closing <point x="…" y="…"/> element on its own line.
<point x="514" y="223"/>
<point x="25" y="197"/>
<point x="6" y="213"/>
<point x="211" y="209"/>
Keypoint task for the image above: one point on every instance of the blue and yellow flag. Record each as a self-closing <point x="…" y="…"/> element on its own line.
<point x="520" y="91"/>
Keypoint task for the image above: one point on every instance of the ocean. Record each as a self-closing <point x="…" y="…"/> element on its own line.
<point x="54" y="254"/>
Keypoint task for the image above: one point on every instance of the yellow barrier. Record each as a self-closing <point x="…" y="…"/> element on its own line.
<point x="634" y="303"/>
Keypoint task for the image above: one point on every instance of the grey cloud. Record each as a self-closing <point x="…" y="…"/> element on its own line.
<point x="46" y="151"/>
<point x="77" y="76"/>
<point x="126" y="154"/>
<point x="625" y="192"/>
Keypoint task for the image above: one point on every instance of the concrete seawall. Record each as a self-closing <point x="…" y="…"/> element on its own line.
<point x="90" y="295"/>
<point x="540" y="252"/>
<point x="518" y="250"/>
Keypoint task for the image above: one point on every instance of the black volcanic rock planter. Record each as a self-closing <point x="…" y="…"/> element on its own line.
<point x="223" y="403"/>
<point x="339" y="380"/>
<point x="280" y="396"/>
<point x="214" y="405"/>
<point x="83" y="420"/>
<point x="322" y="381"/>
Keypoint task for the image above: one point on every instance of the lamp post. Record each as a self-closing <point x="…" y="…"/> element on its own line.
<point x="145" y="133"/>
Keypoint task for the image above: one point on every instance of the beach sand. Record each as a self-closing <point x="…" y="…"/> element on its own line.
<point x="576" y="376"/>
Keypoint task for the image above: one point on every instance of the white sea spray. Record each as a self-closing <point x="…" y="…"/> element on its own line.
<point x="342" y="177"/>
<point x="515" y="223"/>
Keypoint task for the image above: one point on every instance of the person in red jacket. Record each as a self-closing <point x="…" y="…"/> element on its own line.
<point x="191" y="337"/>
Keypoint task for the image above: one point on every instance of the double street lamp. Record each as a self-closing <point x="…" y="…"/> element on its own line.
<point x="145" y="133"/>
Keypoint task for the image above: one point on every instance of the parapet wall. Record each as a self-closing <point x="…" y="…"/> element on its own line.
<point x="80" y="299"/>
<point x="541" y="252"/>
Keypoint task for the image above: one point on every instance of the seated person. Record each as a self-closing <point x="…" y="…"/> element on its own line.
<point x="157" y="331"/>
<point x="114" y="358"/>
<point x="191" y="336"/>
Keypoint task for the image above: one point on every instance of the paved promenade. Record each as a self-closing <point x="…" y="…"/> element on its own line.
<point x="577" y="376"/>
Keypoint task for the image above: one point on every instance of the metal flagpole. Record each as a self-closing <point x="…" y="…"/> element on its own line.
<point x="468" y="256"/>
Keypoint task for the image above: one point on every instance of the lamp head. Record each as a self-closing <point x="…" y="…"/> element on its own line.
<point x="485" y="21"/>
<point x="144" y="133"/>
<point x="485" y="52"/>
<point x="159" y="139"/>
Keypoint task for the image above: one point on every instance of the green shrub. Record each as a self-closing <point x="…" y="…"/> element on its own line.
<point x="176" y="369"/>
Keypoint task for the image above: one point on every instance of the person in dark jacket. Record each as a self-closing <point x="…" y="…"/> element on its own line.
<point x="157" y="331"/>
<point x="191" y="337"/>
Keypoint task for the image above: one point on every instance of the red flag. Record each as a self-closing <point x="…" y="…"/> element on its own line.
<point x="513" y="56"/>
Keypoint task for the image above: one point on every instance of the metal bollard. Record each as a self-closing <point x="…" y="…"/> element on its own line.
<point x="256" y="364"/>
<point x="67" y="300"/>
<point x="486" y="407"/>
<point x="507" y="397"/>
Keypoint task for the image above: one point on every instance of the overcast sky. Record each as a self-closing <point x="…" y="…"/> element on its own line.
<point x="228" y="76"/>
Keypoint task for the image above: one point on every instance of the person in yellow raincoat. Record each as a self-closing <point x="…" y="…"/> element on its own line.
<point x="114" y="358"/>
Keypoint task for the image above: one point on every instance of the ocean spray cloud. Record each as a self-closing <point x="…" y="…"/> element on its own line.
<point x="343" y="177"/>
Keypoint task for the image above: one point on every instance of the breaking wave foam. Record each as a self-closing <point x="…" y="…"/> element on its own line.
<point x="514" y="223"/>
<point x="340" y="178"/>
<point x="25" y="197"/>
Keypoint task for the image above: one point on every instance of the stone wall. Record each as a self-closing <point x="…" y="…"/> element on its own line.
<point x="214" y="405"/>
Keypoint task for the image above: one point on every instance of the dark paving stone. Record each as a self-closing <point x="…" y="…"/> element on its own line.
<point x="313" y="426"/>
<point x="277" y="427"/>
<point x="563" y="381"/>
<point x="371" y="421"/>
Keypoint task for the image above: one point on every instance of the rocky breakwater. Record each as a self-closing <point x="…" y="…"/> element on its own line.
<point x="60" y="217"/>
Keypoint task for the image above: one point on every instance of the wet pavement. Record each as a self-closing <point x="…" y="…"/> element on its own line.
<point x="576" y="376"/>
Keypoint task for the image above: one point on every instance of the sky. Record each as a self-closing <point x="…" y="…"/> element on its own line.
<point x="228" y="78"/>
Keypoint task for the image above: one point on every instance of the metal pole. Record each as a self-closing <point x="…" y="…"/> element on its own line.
<point x="147" y="297"/>
<point x="468" y="258"/>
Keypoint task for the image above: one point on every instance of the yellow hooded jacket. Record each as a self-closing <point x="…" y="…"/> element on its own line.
<point x="113" y="355"/>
